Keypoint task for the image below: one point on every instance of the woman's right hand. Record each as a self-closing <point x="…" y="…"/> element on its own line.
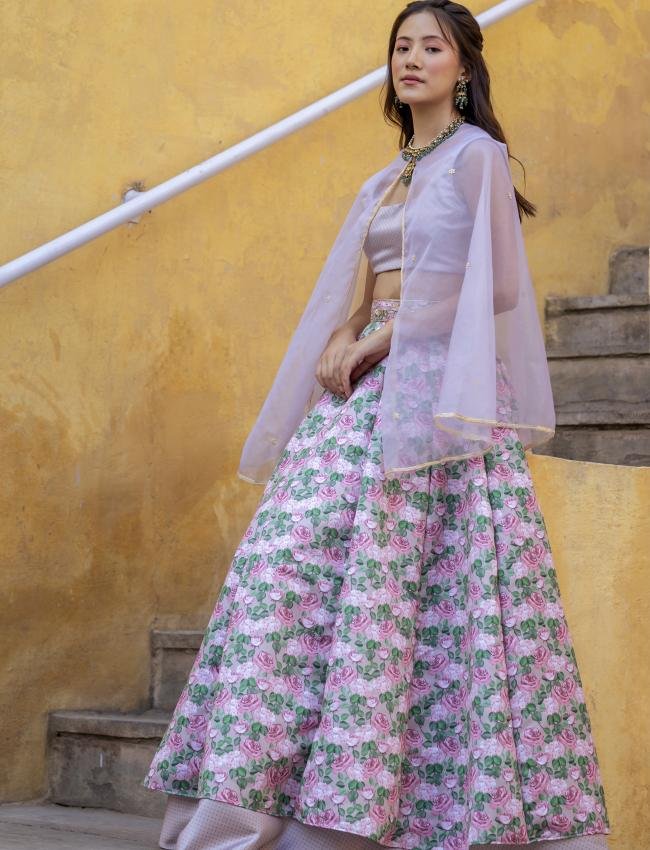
<point x="327" y="372"/>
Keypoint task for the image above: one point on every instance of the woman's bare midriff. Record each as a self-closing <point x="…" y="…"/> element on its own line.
<point x="388" y="284"/>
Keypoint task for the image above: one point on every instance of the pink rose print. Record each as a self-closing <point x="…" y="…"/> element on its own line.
<point x="250" y="748"/>
<point x="378" y="813"/>
<point x="502" y="471"/>
<point x="533" y="556"/>
<point x="276" y="732"/>
<point x="303" y="534"/>
<point x="529" y="682"/>
<point x="381" y="722"/>
<point x="375" y="628"/>
<point x="560" y="823"/>
<point x="537" y="600"/>
<point x="372" y="766"/>
<point x="278" y="775"/>
<point x="565" y="691"/>
<point x="361" y="541"/>
<point x="228" y="796"/>
<point x="360" y="623"/>
<point x="387" y="628"/>
<point x="176" y="741"/>
<point x="198" y="723"/>
<point x="264" y="660"/>
<point x="422" y="826"/>
<point x="295" y="684"/>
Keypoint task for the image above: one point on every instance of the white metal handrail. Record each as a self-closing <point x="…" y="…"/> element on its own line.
<point x="144" y="201"/>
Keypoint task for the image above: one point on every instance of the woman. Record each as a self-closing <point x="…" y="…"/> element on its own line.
<point x="388" y="663"/>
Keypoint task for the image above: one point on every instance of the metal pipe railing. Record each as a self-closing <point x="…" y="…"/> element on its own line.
<point x="144" y="201"/>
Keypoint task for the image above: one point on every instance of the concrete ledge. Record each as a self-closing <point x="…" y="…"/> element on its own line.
<point x="601" y="390"/>
<point x="559" y="304"/>
<point x="178" y="639"/>
<point x="149" y="724"/>
<point x="173" y="653"/>
<point x="100" y="759"/>
<point x="597" y="325"/>
<point x="623" y="446"/>
<point x="628" y="269"/>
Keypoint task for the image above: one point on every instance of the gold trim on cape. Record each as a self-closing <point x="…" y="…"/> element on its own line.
<point x="490" y="422"/>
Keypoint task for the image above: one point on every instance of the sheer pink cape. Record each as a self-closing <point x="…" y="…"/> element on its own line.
<point x="467" y="352"/>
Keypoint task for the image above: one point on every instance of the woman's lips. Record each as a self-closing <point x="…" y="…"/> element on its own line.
<point x="411" y="82"/>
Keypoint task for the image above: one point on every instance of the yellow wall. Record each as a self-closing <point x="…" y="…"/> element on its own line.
<point x="134" y="366"/>
<point x="597" y="517"/>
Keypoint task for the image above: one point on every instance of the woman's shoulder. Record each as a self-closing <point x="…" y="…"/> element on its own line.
<point x="478" y="145"/>
<point x="479" y="149"/>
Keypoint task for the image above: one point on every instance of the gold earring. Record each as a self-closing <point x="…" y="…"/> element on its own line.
<point x="460" y="98"/>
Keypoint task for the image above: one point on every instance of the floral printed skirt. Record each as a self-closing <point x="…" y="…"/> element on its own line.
<point x="389" y="657"/>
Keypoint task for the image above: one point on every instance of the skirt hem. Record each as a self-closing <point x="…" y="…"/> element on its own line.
<point x="482" y="844"/>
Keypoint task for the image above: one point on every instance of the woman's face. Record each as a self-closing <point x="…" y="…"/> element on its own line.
<point x="421" y="50"/>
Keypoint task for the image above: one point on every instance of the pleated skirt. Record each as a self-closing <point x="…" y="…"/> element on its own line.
<point x="388" y="663"/>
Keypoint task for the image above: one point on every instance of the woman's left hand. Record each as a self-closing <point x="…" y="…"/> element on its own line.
<point x="363" y="354"/>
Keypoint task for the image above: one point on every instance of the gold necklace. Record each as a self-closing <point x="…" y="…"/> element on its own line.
<point x="414" y="154"/>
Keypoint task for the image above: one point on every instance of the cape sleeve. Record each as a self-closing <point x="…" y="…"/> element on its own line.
<point x="486" y="186"/>
<point x="295" y="388"/>
<point x="467" y="352"/>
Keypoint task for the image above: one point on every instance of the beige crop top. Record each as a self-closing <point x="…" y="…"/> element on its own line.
<point x="383" y="245"/>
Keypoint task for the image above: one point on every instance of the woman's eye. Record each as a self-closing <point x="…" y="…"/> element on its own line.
<point x="437" y="49"/>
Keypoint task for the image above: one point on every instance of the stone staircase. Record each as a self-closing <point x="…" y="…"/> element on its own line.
<point x="99" y="758"/>
<point x="598" y="349"/>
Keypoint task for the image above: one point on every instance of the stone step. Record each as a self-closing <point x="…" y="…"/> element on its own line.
<point x="601" y="390"/>
<point x="624" y="446"/>
<point x="99" y="758"/>
<point x="628" y="270"/>
<point x="173" y="653"/>
<point x="597" y="325"/>
<point x="42" y="825"/>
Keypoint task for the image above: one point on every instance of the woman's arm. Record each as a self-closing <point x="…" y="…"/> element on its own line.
<point x="360" y="354"/>
<point x="363" y="354"/>
<point x="360" y="318"/>
<point x="327" y="371"/>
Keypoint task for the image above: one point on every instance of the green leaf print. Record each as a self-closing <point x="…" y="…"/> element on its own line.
<point x="198" y="693"/>
<point x="392" y="649"/>
<point x="492" y="766"/>
<point x="354" y="786"/>
<point x="560" y="768"/>
<point x="528" y="629"/>
<point x="531" y="710"/>
<point x="492" y="624"/>
<point x="499" y="721"/>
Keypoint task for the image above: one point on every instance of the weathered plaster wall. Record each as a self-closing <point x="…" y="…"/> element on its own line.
<point x="134" y="367"/>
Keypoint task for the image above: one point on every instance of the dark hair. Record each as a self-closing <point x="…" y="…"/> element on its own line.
<point x="458" y="22"/>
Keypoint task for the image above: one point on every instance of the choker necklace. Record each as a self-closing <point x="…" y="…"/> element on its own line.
<point x="414" y="154"/>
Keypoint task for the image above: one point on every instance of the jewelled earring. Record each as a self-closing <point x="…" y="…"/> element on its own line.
<point x="398" y="103"/>
<point x="460" y="98"/>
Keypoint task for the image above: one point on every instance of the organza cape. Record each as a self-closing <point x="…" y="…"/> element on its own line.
<point x="467" y="352"/>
